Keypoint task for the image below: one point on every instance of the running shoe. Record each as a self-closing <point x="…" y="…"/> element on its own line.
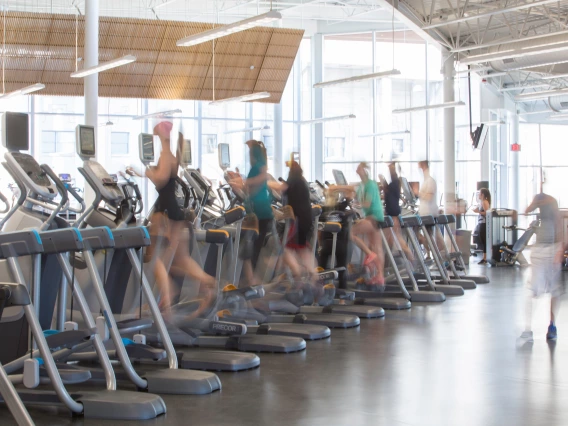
<point x="527" y="337"/>
<point x="552" y="333"/>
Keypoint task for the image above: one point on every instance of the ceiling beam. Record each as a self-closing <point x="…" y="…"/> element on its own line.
<point x="488" y="14"/>
<point x="403" y="14"/>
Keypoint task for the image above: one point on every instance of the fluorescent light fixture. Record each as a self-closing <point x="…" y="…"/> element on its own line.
<point x="244" y="98"/>
<point x="552" y="77"/>
<point x="427" y="107"/>
<point x="477" y="70"/>
<point x="402" y="132"/>
<point x="530" y="86"/>
<point x="485" y="123"/>
<point x="228" y="29"/>
<point x="250" y="129"/>
<point x="540" y="95"/>
<point x="104" y="66"/>
<point x="542" y="111"/>
<point x="158" y="114"/>
<point x="562" y="116"/>
<point x="23" y="91"/>
<point x="326" y="119"/>
<point x="372" y="76"/>
<point x="495" y="74"/>
<point x="516" y="53"/>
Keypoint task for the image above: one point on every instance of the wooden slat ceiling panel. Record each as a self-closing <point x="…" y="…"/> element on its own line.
<point x="41" y="48"/>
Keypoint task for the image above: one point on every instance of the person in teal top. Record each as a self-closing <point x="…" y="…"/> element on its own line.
<point x="368" y="195"/>
<point x="259" y="200"/>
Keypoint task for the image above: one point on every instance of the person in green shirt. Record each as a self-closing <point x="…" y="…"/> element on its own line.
<point x="368" y="195"/>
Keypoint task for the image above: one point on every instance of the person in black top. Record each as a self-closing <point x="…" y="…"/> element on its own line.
<point x="169" y="222"/>
<point x="297" y="192"/>
<point x="392" y="204"/>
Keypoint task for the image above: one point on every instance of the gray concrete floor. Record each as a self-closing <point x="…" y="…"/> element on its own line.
<point x="456" y="363"/>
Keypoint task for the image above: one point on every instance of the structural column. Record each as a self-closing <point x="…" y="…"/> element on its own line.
<point x="317" y="63"/>
<point x="514" y="155"/>
<point x="91" y="82"/>
<point x="449" y="137"/>
<point x="278" y="141"/>
<point x="91" y="59"/>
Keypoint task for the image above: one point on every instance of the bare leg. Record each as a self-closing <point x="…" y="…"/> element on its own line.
<point x="291" y="261"/>
<point x="363" y="227"/>
<point x="249" y="273"/>
<point x="182" y="258"/>
<point x="378" y="249"/>
<point x="422" y="241"/>
<point x="398" y="232"/>
<point x="554" y="309"/>
<point x="528" y="311"/>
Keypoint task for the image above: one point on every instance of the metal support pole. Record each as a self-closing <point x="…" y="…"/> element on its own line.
<point x="515" y="178"/>
<point x="12" y="399"/>
<point x="278" y="141"/>
<point x="449" y="137"/>
<point x="91" y="82"/>
<point x="317" y="61"/>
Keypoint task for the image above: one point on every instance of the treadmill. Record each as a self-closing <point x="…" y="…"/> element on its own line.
<point x="371" y="297"/>
<point x="429" y="227"/>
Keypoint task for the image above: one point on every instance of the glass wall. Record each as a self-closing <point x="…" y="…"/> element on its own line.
<point x="543" y="158"/>
<point x="382" y="136"/>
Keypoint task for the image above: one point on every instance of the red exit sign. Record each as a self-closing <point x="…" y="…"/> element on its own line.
<point x="516" y="147"/>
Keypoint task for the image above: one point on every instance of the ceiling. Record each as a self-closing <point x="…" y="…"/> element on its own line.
<point x="467" y="28"/>
<point x="47" y="47"/>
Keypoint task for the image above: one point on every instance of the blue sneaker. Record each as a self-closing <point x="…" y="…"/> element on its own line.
<point x="551" y="335"/>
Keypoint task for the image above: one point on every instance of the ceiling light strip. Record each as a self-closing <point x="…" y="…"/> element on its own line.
<point x="327" y="119"/>
<point x="531" y="86"/>
<point x="516" y="53"/>
<point x="372" y="76"/>
<point x="158" y="114"/>
<point x="486" y="123"/>
<point x="228" y="29"/>
<point x="23" y="91"/>
<point x="104" y="66"/>
<point x="244" y="98"/>
<point x="372" y="135"/>
<point x="540" y="95"/>
<point x="428" y="107"/>
<point x="250" y="129"/>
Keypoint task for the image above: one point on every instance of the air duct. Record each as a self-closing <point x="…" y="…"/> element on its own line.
<point x="535" y="62"/>
<point x="559" y="103"/>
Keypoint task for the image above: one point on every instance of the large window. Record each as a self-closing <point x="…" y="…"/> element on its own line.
<point x="54" y="142"/>
<point x="543" y="159"/>
<point x="119" y="143"/>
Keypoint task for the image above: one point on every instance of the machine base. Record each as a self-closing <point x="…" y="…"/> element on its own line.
<point x="197" y="359"/>
<point x="465" y="284"/>
<point x="478" y="279"/>
<point x="387" y="303"/>
<point x="450" y="290"/>
<point x="361" y="311"/>
<point x="182" y="382"/>
<point x="303" y="331"/>
<point x="427" y="296"/>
